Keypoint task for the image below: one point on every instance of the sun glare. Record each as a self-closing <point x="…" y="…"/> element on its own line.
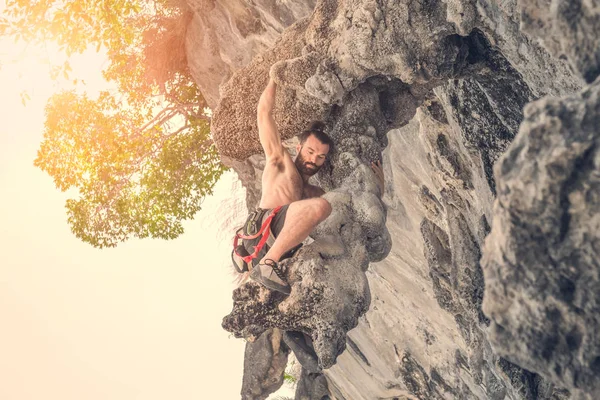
<point x="36" y="71"/>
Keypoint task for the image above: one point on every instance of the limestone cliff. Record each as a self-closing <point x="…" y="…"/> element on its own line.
<point x="398" y="297"/>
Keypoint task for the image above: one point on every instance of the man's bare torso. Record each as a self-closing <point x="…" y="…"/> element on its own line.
<point x="282" y="184"/>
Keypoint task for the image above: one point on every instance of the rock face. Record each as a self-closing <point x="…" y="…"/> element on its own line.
<point x="398" y="294"/>
<point x="541" y="263"/>
<point x="264" y="362"/>
<point x="223" y="36"/>
<point x="567" y="27"/>
<point x="319" y="62"/>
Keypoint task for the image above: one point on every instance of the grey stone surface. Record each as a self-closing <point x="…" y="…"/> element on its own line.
<point x="264" y="364"/>
<point x="303" y="349"/>
<point x="312" y="386"/>
<point x="424" y="334"/>
<point x="224" y="36"/>
<point x="541" y="263"/>
<point x="567" y="27"/>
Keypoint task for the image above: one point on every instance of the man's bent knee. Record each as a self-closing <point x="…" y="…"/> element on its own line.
<point x="323" y="208"/>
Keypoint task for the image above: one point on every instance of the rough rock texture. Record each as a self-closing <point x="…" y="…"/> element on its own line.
<point x="264" y="363"/>
<point x="320" y="62"/>
<point x="454" y="76"/>
<point x="569" y="28"/>
<point x="424" y="335"/>
<point x="540" y="263"/>
<point x="312" y="386"/>
<point x="542" y="283"/>
<point x="224" y="35"/>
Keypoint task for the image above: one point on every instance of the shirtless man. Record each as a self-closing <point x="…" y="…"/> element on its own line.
<point x="285" y="183"/>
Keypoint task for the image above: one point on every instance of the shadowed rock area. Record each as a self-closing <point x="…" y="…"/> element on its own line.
<point x="265" y="361"/>
<point x="398" y="295"/>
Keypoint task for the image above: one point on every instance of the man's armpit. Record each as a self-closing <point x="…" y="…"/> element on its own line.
<point x="276" y="162"/>
<point x="312" y="191"/>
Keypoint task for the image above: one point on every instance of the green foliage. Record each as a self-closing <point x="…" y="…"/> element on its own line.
<point x="289" y="379"/>
<point x="141" y="158"/>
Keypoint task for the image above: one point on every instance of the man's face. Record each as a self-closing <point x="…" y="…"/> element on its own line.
<point x="311" y="156"/>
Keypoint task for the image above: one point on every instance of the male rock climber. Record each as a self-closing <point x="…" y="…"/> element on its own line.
<point x="285" y="184"/>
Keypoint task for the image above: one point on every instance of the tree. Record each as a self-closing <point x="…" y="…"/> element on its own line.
<point x="140" y="157"/>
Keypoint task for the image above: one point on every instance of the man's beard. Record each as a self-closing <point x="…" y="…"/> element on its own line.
<point x="306" y="168"/>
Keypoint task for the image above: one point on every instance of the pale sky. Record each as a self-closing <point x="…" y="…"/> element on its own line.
<point x="142" y="321"/>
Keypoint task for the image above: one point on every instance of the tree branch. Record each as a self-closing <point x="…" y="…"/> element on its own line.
<point x="186" y="126"/>
<point x="159" y="119"/>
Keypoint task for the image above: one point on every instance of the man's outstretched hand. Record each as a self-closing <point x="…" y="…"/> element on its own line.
<point x="378" y="170"/>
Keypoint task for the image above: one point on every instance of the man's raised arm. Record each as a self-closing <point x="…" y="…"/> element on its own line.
<point x="267" y="130"/>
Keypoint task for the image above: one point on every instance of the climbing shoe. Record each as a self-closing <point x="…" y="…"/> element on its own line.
<point x="271" y="276"/>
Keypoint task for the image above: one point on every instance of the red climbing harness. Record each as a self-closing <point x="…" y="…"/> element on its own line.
<point x="241" y="257"/>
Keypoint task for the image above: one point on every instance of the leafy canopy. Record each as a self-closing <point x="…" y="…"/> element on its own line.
<point x="140" y="157"/>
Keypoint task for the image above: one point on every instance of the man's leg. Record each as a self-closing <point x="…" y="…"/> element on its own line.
<point x="301" y="218"/>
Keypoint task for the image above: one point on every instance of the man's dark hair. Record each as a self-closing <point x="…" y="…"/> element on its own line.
<point x="316" y="128"/>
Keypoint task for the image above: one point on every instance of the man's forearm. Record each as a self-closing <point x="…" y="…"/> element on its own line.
<point x="267" y="99"/>
<point x="267" y="130"/>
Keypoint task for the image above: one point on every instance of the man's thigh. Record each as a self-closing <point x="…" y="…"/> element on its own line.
<point x="295" y="207"/>
<point x="279" y="220"/>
